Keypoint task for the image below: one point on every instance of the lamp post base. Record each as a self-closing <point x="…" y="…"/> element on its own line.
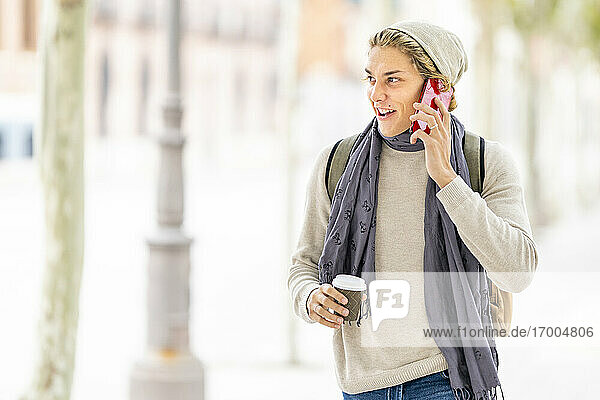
<point x="167" y="377"/>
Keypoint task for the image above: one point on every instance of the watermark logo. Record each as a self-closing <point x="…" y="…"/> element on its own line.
<point x="389" y="300"/>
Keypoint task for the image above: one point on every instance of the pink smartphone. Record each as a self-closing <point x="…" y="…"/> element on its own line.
<point x="429" y="92"/>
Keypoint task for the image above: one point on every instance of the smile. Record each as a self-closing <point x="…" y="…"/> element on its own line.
<point x="384" y="113"/>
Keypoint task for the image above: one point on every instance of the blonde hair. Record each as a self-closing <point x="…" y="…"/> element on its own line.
<point x="390" y="37"/>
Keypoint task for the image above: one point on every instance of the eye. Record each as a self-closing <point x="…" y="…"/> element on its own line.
<point x="393" y="80"/>
<point x="369" y="79"/>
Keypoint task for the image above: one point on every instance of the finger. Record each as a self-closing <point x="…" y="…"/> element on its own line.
<point x="445" y="119"/>
<point x="364" y="297"/>
<point x="316" y="317"/>
<point x="420" y="134"/>
<point x="429" y="119"/>
<point x="333" y="292"/>
<point x="328" y="302"/>
<point x="429" y="111"/>
<point x="443" y="109"/>
<point x="325" y="313"/>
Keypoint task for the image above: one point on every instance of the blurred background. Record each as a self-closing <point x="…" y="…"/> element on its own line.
<point x="266" y="84"/>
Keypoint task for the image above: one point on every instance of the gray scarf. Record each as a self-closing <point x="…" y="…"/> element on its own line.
<point x="450" y="299"/>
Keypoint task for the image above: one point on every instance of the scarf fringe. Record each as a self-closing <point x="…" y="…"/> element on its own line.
<point x="466" y="393"/>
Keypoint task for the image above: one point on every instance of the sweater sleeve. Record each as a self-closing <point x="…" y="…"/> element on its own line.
<point x="303" y="276"/>
<point x="495" y="226"/>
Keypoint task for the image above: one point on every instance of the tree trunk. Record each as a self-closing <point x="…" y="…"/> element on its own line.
<point x="61" y="167"/>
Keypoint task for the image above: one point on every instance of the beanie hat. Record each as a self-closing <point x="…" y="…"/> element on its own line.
<point x="444" y="47"/>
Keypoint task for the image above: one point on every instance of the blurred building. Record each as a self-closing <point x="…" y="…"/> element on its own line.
<point x="228" y="71"/>
<point x="18" y="103"/>
<point x="228" y="62"/>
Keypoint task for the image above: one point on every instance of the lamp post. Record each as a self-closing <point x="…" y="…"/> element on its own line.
<point x="168" y="370"/>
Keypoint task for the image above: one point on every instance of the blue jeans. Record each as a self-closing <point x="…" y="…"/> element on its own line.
<point x="430" y="387"/>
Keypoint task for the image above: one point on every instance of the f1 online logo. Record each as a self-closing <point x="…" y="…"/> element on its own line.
<point x="389" y="300"/>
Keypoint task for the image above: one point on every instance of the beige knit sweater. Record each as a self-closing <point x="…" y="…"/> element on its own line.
<point x="494" y="226"/>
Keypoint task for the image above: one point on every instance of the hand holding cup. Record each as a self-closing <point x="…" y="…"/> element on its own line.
<point x="326" y="300"/>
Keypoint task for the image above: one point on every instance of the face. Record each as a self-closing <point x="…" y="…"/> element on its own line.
<point x="393" y="85"/>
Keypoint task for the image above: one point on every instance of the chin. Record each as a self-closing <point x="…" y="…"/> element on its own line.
<point x="391" y="131"/>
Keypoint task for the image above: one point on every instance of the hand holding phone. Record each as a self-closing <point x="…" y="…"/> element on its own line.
<point x="431" y="90"/>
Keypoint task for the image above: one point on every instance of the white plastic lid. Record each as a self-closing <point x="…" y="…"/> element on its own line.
<point x="349" y="282"/>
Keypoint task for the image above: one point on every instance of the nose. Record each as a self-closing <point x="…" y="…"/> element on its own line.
<point x="377" y="93"/>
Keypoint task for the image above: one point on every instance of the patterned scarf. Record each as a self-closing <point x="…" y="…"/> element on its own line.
<point x="458" y="298"/>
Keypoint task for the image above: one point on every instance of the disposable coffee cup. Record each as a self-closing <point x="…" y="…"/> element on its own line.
<point x="352" y="287"/>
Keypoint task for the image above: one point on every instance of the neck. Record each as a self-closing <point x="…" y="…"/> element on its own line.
<point x="401" y="141"/>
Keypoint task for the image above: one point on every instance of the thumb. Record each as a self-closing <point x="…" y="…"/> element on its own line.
<point x="419" y="134"/>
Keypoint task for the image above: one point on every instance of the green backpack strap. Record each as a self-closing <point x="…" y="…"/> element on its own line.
<point x="473" y="146"/>
<point x="336" y="164"/>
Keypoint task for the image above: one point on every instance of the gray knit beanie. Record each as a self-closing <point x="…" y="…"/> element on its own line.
<point x="444" y="47"/>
